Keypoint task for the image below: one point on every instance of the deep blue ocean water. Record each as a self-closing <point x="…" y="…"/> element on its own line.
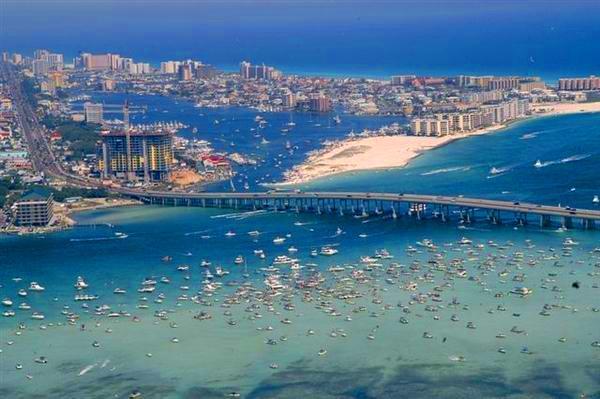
<point x="360" y="38"/>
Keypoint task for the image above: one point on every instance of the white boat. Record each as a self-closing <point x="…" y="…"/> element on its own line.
<point x="328" y="251"/>
<point x="205" y="263"/>
<point x="37" y="316"/>
<point x="8" y="313"/>
<point x="292" y="249"/>
<point x="119" y="291"/>
<point x="87" y="297"/>
<point x="7" y="302"/>
<point x="596" y="200"/>
<point x="273" y="283"/>
<point x="278" y="240"/>
<point x="230" y="234"/>
<point x="35" y="287"/>
<point x="146" y="289"/>
<point x="238" y="260"/>
<point x="523" y="291"/>
<point x="465" y="241"/>
<point x="208" y="275"/>
<point x="81" y="284"/>
<point x="22" y="292"/>
<point x="254" y="233"/>
<point x="283" y="260"/>
<point x="426" y="243"/>
<point x="538" y="164"/>
<point x="569" y="242"/>
<point x="24" y="306"/>
<point x="220" y="272"/>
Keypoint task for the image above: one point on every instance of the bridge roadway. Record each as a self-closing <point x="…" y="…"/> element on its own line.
<point x="441" y="202"/>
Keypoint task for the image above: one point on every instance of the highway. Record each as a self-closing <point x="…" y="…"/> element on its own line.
<point x="464" y="202"/>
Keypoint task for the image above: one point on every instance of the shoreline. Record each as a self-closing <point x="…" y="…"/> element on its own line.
<point x="394" y="152"/>
<point x="96" y="204"/>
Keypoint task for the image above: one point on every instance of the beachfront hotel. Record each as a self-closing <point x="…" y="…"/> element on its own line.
<point x="573" y="84"/>
<point x="442" y="124"/>
<point x="137" y="154"/>
<point x="34" y="208"/>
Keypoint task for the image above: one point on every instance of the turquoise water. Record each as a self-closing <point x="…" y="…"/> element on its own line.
<point x="373" y="355"/>
<point x="213" y="358"/>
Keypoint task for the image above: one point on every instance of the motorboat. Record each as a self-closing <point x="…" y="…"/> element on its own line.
<point x="35" y="287"/>
<point x="523" y="291"/>
<point x="80" y="284"/>
<point x="284" y="260"/>
<point x="37" y="316"/>
<point x="278" y="240"/>
<point x="328" y="251"/>
<point x="220" y="272"/>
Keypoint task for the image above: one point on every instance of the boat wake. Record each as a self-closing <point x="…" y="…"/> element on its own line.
<point x="240" y="215"/>
<point x="86" y="369"/>
<point x="446" y="170"/>
<point x="194" y="233"/>
<point x="539" y="164"/>
<point x="529" y="136"/>
<point x="121" y="237"/>
<point x="500" y="171"/>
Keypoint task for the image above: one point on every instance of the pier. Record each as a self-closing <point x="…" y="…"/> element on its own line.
<point x="444" y="208"/>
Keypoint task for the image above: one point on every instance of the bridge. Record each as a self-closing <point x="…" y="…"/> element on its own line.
<point x="395" y="205"/>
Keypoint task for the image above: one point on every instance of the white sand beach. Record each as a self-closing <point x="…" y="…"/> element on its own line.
<point x="386" y="152"/>
<point x="564" y="108"/>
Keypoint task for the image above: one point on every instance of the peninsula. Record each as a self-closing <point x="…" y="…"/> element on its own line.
<point x="386" y="152"/>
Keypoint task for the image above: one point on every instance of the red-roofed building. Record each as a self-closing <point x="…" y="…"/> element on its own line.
<point x="55" y="136"/>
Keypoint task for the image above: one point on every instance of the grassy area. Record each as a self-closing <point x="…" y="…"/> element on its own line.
<point x="68" y="192"/>
<point x="81" y="136"/>
<point x="6" y="186"/>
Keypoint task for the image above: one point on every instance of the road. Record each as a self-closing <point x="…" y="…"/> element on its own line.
<point x="478" y="203"/>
